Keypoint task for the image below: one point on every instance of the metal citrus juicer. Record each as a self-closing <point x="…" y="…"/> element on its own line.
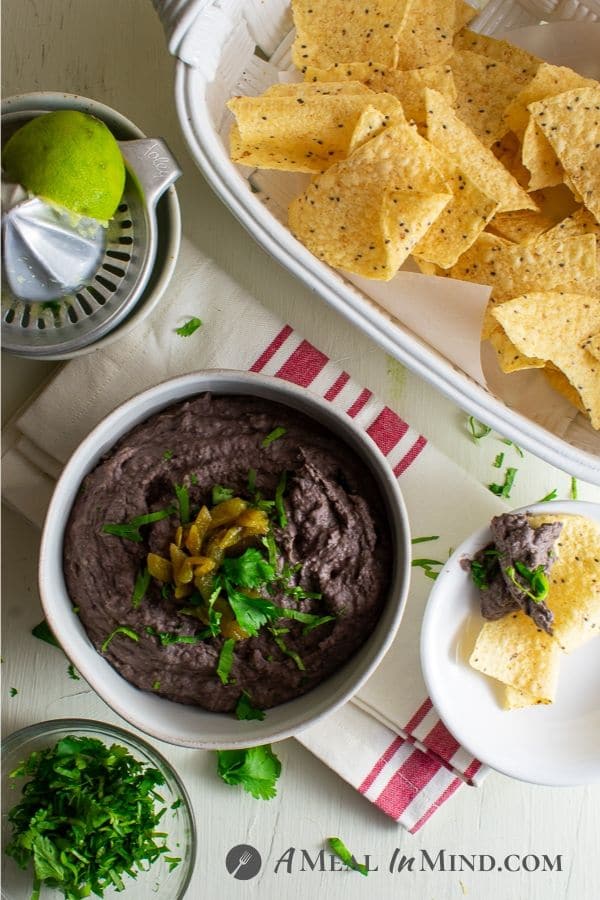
<point x="68" y="281"/>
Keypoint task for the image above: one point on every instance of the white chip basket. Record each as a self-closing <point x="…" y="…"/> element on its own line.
<point x="226" y="48"/>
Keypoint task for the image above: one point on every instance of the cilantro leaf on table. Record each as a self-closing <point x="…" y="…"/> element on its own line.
<point x="256" y="769"/>
<point x="477" y="429"/>
<point x="189" y="327"/>
<point x="43" y="633"/>
<point x="504" y="489"/>
<point x="338" y="847"/>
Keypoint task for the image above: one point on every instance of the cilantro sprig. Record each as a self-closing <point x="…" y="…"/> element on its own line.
<point x="87" y="816"/>
<point x="189" y="327"/>
<point x="256" y="769"/>
<point x="504" y="489"/>
<point x="338" y="847"/>
<point x="130" y="531"/>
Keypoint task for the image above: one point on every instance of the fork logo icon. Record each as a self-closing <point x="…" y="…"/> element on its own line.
<point x="243" y="862"/>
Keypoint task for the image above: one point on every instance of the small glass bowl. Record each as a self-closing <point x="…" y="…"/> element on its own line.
<point x="157" y="882"/>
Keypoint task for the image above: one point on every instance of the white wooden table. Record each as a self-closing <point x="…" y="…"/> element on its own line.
<point x="114" y="51"/>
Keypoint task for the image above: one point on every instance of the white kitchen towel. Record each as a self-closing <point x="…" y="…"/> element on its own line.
<point x="388" y="743"/>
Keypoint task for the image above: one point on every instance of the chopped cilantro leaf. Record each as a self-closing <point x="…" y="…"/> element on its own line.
<point x="427" y="566"/>
<point x="13" y="692"/>
<point x="498" y="460"/>
<point x="43" y="633"/>
<point x="256" y="769"/>
<point x="573" y="491"/>
<point x="245" y="710"/>
<point x="339" y="848"/>
<point x="189" y="327"/>
<point x="251" y="613"/>
<point x="168" y="454"/>
<point x="516" y="446"/>
<point x="503" y="490"/>
<point x="183" y="501"/>
<point x="225" y="660"/>
<point x="273" y="436"/>
<point x="250" y="570"/>
<point x="279" y="492"/>
<point x="478" y="429"/>
<point x="72" y="672"/>
<point x="251" y="482"/>
<point x="287" y="651"/>
<point x="273" y="553"/>
<point x="220" y="494"/>
<point x="167" y="638"/>
<point x="122" y="629"/>
<point x="131" y="530"/>
<point x="156" y="687"/>
<point x="423" y="540"/>
<point x="551" y="495"/>
<point x="142" y="583"/>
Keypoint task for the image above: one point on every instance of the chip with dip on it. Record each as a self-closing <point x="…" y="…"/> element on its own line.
<point x="513" y="648"/>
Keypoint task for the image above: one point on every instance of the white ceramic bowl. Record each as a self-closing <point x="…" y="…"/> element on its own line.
<point x="188" y="725"/>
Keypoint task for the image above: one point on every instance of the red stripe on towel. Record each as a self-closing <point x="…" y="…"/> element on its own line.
<point x="440" y="741"/>
<point x="472" y="770"/>
<point x="381" y="762"/>
<point x="387" y="429"/>
<point x="410" y="457"/>
<point x="272" y="349"/>
<point x="418" y="717"/>
<point x="303" y="365"/>
<point x="414" y="774"/>
<point x="452" y="787"/>
<point x="340" y="382"/>
<point x="360" y="402"/>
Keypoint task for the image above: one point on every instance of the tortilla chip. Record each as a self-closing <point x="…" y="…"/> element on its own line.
<point x="516" y="699"/>
<point x="460" y="223"/>
<point x="299" y="134"/>
<point x="453" y="138"/>
<point x="561" y="384"/>
<point x="571" y="123"/>
<point x="592" y="345"/>
<point x="463" y="14"/>
<point x="426" y="34"/>
<point x="407" y="86"/>
<point x="524" y="64"/>
<point x="540" y="159"/>
<point x="365" y="214"/>
<point x="508" y="151"/>
<point x="581" y="221"/>
<point x="518" y="653"/>
<point x="302" y="90"/>
<point x="522" y="226"/>
<point x="574" y="595"/>
<point x="510" y="358"/>
<point x="556" y="202"/>
<point x="327" y="33"/>
<point x="484" y="89"/>
<point x="547" y="82"/>
<point x="553" y="326"/>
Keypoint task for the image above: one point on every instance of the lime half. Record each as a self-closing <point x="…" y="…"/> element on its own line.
<point x="70" y="159"/>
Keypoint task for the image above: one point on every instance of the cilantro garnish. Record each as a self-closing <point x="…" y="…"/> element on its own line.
<point x="339" y="848"/>
<point x="225" y="660"/>
<point x="72" y="672"/>
<point x="256" y="769"/>
<point x="220" y="494"/>
<point x="536" y="579"/>
<point x="552" y="495"/>
<point x="427" y="566"/>
<point x="423" y="540"/>
<point x="167" y="638"/>
<point x="189" y="327"/>
<point x="142" y="583"/>
<point x="130" y="531"/>
<point x="87" y="816"/>
<point x="122" y="629"/>
<point x="245" y="710"/>
<point x="156" y="687"/>
<point x="183" y="501"/>
<point x="251" y="482"/>
<point x="503" y="490"/>
<point x="573" y="491"/>
<point x="498" y="460"/>
<point x="516" y="446"/>
<point x="287" y="651"/>
<point x="42" y="632"/>
<point x="478" y="429"/>
<point x="13" y="692"/>
<point x="279" y="492"/>
<point x="273" y="436"/>
<point x="168" y="454"/>
<point x="249" y="570"/>
<point x="482" y="572"/>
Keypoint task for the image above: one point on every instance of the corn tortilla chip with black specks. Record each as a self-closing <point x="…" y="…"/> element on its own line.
<point x="540" y="159"/>
<point x="426" y="34"/>
<point x="561" y="384"/>
<point x="518" y="653"/>
<point x="524" y="64"/>
<point x="344" y="30"/>
<point x="484" y="89"/>
<point x="408" y="86"/>
<point x="521" y="226"/>
<point x="571" y="124"/>
<point x="547" y="82"/>
<point x="301" y="134"/>
<point x="553" y="326"/>
<point x="592" y="345"/>
<point x="455" y="139"/>
<point x="366" y="213"/>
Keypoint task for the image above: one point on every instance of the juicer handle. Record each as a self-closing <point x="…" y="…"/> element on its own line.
<point x="179" y="19"/>
<point x="150" y="162"/>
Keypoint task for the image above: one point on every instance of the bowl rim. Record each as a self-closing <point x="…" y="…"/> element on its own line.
<point x="55" y="599"/>
<point x="167" y="208"/>
<point x="49" y="727"/>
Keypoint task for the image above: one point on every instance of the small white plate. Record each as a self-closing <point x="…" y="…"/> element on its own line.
<point x="558" y="744"/>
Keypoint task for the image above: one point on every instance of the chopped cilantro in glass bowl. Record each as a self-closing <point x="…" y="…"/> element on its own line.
<point x="101" y="810"/>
